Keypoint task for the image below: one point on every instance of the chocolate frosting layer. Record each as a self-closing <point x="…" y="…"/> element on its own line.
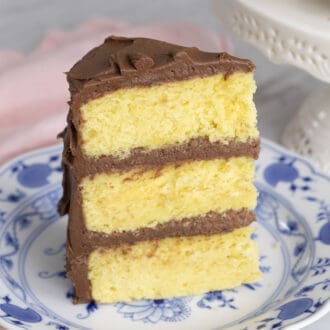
<point x="208" y="224"/>
<point x="196" y="149"/>
<point x="82" y="242"/>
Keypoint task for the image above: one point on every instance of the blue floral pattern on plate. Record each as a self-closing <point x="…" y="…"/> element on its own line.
<point x="293" y="229"/>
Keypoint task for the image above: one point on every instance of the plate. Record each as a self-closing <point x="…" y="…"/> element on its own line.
<point x="293" y="231"/>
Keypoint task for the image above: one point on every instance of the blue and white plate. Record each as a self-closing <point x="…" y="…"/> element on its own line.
<point x="293" y="231"/>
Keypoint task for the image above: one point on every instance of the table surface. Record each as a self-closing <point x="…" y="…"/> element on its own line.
<point x="281" y="89"/>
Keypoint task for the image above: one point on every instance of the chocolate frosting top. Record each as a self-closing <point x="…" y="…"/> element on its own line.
<point x="126" y="62"/>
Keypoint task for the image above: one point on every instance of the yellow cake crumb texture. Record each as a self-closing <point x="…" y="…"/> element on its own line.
<point x="122" y="201"/>
<point x="169" y="114"/>
<point x="173" y="267"/>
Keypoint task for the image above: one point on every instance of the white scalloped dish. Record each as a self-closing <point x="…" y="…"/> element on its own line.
<point x="294" y="32"/>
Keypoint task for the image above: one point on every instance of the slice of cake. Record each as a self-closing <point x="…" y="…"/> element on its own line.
<point x="158" y="172"/>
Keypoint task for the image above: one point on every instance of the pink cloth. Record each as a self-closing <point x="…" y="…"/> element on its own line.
<point x="33" y="88"/>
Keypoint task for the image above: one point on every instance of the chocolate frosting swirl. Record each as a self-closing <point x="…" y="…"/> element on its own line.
<point x="128" y="62"/>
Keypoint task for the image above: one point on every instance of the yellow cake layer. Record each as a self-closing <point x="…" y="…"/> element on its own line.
<point x="173" y="267"/>
<point x="169" y="114"/>
<point x="134" y="199"/>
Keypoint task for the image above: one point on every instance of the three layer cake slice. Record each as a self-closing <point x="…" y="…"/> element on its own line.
<point x="158" y="165"/>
